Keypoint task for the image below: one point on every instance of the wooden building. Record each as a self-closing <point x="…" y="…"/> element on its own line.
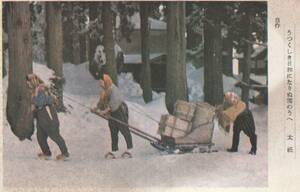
<point x="132" y="61"/>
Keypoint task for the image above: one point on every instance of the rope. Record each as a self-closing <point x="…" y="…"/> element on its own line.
<point x="140" y="112"/>
<point x="74" y="101"/>
<point x="143" y="113"/>
<point x="133" y="129"/>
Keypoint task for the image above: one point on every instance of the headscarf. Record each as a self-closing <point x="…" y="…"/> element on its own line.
<point x="33" y="80"/>
<point x="232" y="98"/>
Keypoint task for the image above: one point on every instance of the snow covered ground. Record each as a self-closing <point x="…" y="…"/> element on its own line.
<point x="88" y="139"/>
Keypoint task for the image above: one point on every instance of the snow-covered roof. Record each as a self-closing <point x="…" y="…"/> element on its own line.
<point x="258" y="51"/>
<point x="262" y="79"/>
<point x="238" y="55"/>
<point x="137" y="58"/>
<point x="157" y="24"/>
<point x="154" y="23"/>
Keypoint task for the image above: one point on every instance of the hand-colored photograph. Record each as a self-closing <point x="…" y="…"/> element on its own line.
<point x="129" y="94"/>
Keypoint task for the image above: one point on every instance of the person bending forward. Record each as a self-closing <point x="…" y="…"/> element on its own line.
<point x="112" y="104"/>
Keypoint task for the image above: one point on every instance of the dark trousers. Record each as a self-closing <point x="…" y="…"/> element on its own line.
<point x="122" y="115"/>
<point x="53" y="132"/>
<point x="244" y="122"/>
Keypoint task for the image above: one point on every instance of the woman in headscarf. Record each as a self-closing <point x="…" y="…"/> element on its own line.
<point x="47" y="119"/>
<point x="242" y="122"/>
<point x="112" y="104"/>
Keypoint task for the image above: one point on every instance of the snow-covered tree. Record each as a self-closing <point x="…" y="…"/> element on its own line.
<point x="38" y="25"/>
<point x="75" y="15"/>
<point x="247" y="26"/>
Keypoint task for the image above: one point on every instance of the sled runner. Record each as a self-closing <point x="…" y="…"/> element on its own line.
<point x="184" y="148"/>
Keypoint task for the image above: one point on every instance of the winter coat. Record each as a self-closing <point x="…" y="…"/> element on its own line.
<point x="115" y="99"/>
<point x="46" y="113"/>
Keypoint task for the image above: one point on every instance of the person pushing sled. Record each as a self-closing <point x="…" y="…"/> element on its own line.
<point x="236" y="111"/>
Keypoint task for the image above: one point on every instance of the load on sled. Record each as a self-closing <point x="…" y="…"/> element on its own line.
<point x="190" y="127"/>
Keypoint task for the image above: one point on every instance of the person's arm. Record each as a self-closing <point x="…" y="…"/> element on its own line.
<point x="105" y="112"/>
<point x="101" y="109"/>
<point x="104" y="105"/>
<point x="100" y="106"/>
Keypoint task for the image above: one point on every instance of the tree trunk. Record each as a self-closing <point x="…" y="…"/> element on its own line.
<point x="193" y="39"/>
<point x="3" y="66"/>
<point x="146" y="68"/>
<point x="93" y="40"/>
<point x="247" y="61"/>
<point x="67" y="31"/>
<point x="54" y="37"/>
<point x="213" y="79"/>
<point x="4" y="37"/>
<point x="176" y="87"/>
<point x="75" y="59"/>
<point x="19" y="114"/>
<point x="189" y="32"/>
<point x="4" y="48"/>
<point x="55" y="47"/>
<point x="227" y="59"/>
<point x="75" y="48"/>
<point x="82" y="42"/>
<point x="108" y="41"/>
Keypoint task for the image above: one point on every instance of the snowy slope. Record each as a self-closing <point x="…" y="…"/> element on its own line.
<point x="88" y="139"/>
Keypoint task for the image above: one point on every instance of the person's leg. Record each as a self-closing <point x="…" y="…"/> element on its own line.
<point x="128" y="138"/>
<point x="123" y="116"/>
<point x="127" y="135"/>
<point x="114" y="140"/>
<point x="114" y="135"/>
<point x="253" y="141"/>
<point x="58" y="139"/>
<point x="250" y="132"/>
<point x="42" y="141"/>
<point x="236" y="137"/>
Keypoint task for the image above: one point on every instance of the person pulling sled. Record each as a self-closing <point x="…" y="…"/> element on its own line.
<point x="112" y="104"/>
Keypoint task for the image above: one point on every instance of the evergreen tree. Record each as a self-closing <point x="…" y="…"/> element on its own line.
<point x="54" y="49"/>
<point x="19" y="114"/>
<point x="94" y="36"/>
<point x="108" y="41"/>
<point x="213" y="79"/>
<point x="146" y="68"/>
<point x="176" y="87"/>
